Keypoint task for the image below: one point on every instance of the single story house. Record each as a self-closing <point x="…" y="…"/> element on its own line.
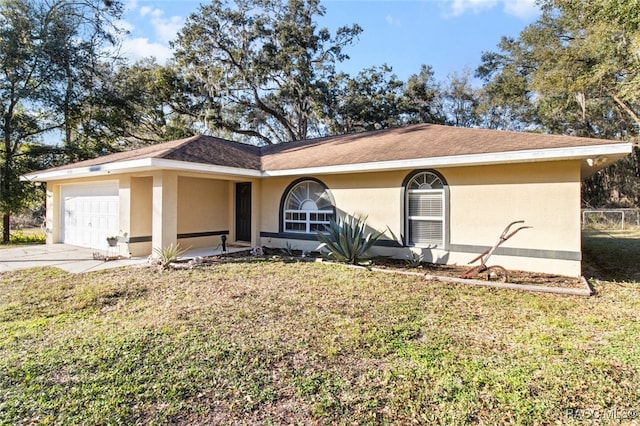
<point x="440" y="191"/>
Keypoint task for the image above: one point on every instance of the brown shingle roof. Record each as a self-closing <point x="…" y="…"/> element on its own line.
<point x="411" y="142"/>
<point x="196" y="149"/>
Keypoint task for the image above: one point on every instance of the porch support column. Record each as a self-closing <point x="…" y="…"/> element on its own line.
<point x="165" y="210"/>
<point x="256" y="212"/>
<point x="232" y="210"/>
<point x="124" y="195"/>
<point x="53" y="221"/>
<point x="124" y="214"/>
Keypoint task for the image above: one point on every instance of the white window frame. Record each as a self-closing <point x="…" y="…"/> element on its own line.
<point x="443" y="193"/>
<point x="304" y="217"/>
<point x="307" y="221"/>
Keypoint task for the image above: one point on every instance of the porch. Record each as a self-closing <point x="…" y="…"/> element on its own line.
<point x="197" y="212"/>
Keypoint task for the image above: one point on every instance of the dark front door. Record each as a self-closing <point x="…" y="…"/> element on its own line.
<point x="243" y="211"/>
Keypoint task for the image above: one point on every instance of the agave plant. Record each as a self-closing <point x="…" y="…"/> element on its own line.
<point x="168" y="254"/>
<point x="345" y="240"/>
<point x="414" y="260"/>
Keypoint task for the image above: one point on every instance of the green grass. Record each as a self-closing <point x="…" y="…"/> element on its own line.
<point x="611" y="255"/>
<point x="297" y="343"/>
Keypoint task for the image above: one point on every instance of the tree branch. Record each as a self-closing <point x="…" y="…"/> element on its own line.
<point x="625" y="107"/>
<point x="275" y="114"/>
<point x="246" y="132"/>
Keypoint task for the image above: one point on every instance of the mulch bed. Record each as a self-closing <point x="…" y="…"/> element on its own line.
<point x="452" y="271"/>
<point x="514" y="277"/>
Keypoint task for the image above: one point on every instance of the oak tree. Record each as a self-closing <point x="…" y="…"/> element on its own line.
<point x="257" y="69"/>
<point x="575" y="71"/>
<point x="48" y="50"/>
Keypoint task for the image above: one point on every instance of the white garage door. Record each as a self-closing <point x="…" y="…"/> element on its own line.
<point x="89" y="214"/>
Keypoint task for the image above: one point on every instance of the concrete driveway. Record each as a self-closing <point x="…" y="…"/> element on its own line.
<point x="69" y="258"/>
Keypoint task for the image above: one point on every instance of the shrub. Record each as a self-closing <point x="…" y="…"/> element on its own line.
<point x="345" y="240"/>
<point x="23" y="237"/>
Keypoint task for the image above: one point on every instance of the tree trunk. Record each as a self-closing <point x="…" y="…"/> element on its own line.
<point x="6" y="228"/>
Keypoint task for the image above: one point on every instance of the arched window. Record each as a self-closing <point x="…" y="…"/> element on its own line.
<point x="425" y="209"/>
<point x="307" y="207"/>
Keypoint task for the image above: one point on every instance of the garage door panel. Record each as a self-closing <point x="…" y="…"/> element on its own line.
<point x="90" y="214"/>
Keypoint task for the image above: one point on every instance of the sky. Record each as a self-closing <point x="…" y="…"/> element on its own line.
<point x="448" y="35"/>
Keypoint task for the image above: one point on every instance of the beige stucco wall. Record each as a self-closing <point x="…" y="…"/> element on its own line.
<point x="190" y="204"/>
<point x="141" y="214"/>
<point x="483" y="200"/>
<point x="545" y="195"/>
<point x="256" y="211"/>
<point x="52" y="216"/>
<point x="202" y="207"/>
<point x="377" y="196"/>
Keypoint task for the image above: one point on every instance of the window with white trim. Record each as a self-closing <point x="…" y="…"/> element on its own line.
<point x="308" y="207"/>
<point x="426" y="210"/>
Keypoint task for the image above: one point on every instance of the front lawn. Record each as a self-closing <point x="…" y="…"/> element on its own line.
<point x="272" y="342"/>
<point x="611" y="254"/>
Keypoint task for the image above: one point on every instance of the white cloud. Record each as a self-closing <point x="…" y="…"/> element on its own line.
<point x="149" y="32"/>
<point x="145" y="10"/>
<point x="165" y="29"/>
<point x="523" y="9"/>
<point x="460" y="7"/>
<point x="139" y="48"/>
<point x="125" y="25"/>
<point x="394" y="22"/>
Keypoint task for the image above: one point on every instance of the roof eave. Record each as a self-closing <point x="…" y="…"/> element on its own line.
<point x="595" y="157"/>
<point x="136" y="166"/>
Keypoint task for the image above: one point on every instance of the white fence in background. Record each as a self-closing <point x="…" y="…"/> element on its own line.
<point x="610" y="218"/>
